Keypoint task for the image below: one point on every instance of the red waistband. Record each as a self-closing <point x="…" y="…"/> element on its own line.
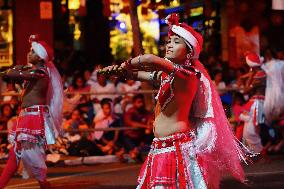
<point x="36" y="109"/>
<point x="169" y="141"/>
<point x="258" y="97"/>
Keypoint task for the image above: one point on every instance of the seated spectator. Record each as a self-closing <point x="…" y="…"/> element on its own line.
<point x="108" y="141"/>
<point x="87" y="76"/>
<point x="127" y="87"/>
<point x="102" y="86"/>
<point x="10" y="89"/>
<point x="66" y="81"/>
<point x="219" y="83"/>
<point x="6" y="115"/>
<point x="238" y="82"/>
<point x="75" y="122"/>
<point x="60" y="147"/>
<point x="79" y="143"/>
<point x="237" y="109"/>
<point x="79" y="85"/>
<point x="85" y="106"/>
<point x="140" y="118"/>
<point x="69" y="104"/>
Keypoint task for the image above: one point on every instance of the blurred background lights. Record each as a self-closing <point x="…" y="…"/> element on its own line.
<point x="122" y="25"/>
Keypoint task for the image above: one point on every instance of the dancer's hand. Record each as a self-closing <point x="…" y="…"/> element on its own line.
<point x="120" y="71"/>
<point x="128" y="72"/>
<point x="112" y="68"/>
<point x="126" y="66"/>
<point x="109" y="70"/>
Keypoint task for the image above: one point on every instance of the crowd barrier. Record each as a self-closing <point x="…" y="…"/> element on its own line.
<point x="90" y="130"/>
<point x="228" y="89"/>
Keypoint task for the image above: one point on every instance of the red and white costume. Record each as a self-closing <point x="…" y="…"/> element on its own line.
<point x="274" y="91"/>
<point x="253" y="115"/>
<point x="172" y="162"/>
<point x="34" y="124"/>
<point x="198" y="158"/>
<point x="37" y="124"/>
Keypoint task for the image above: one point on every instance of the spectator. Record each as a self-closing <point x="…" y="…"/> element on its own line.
<point x="79" y="85"/>
<point x="140" y="118"/>
<point x="75" y="122"/>
<point x="218" y="81"/>
<point x="69" y="104"/>
<point x="79" y="144"/>
<point x="102" y="86"/>
<point x="10" y="89"/>
<point x="128" y="87"/>
<point x="87" y="75"/>
<point x="66" y="81"/>
<point x="237" y="109"/>
<point x="85" y="106"/>
<point x="6" y="115"/>
<point x="108" y="141"/>
<point x="238" y="82"/>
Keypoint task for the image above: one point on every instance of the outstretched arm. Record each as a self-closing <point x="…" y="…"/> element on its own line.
<point x="149" y="62"/>
<point x="141" y="66"/>
<point x="155" y="63"/>
<point x="148" y="76"/>
<point x="131" y="73"/>
<point x="18" y="74"/>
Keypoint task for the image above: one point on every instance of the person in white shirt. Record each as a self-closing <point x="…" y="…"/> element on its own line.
<point x="128" y="87"/>
<point x="219" y="83"/>
<point x="102" y="86"/>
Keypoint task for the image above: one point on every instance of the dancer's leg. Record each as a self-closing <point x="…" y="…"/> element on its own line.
<point x="9" y="170"/>
<point x="34" y="162"/>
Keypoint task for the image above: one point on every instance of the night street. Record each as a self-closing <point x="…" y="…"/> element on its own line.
<point x="116" y="176"/>
<point x="89" y="89"/>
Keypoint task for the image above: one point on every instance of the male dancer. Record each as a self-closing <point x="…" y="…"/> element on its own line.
<point x="253" y="116"/>
<point x="39" y="121"/>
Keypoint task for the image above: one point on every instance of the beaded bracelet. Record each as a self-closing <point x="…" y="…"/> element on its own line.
<point x="151" y="76"/>
<point x="128" y="62"/>
<point x="176" y="67"/>
<point x="139" y="61"/>
<point x="155" y="75"/>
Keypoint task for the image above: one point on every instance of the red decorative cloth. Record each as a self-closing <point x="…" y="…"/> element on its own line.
<point x="166" y="91"/>
<point x="165" y="164"/>
<point x="30" y="126"/>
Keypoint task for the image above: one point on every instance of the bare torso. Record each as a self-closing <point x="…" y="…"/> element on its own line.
<point x="35" y="92"/>
<point x="174" y="118"/>
<point x="165" y="126"/>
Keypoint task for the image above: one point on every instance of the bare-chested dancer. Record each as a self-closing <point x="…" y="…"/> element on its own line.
<point x="39" y="121"/>
<point x="253" y="116"/>
<point x="193" y="144"/>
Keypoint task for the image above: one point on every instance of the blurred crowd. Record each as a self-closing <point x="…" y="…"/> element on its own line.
<point x="94" y="101"/>
<point x="117" y="105"/>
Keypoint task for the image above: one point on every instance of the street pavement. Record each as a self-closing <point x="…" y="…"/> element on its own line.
<point x="260" y="175"/>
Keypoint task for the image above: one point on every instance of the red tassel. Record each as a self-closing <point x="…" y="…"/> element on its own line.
<point x="34" y="38"/>
<point x="173" y="19"/>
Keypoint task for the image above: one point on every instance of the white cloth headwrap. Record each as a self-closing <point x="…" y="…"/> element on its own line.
<point x="40" y="50"/>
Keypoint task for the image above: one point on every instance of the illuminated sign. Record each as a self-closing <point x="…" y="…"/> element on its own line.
<point x="45" y="10"/>
<point x="6" y="38"/>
